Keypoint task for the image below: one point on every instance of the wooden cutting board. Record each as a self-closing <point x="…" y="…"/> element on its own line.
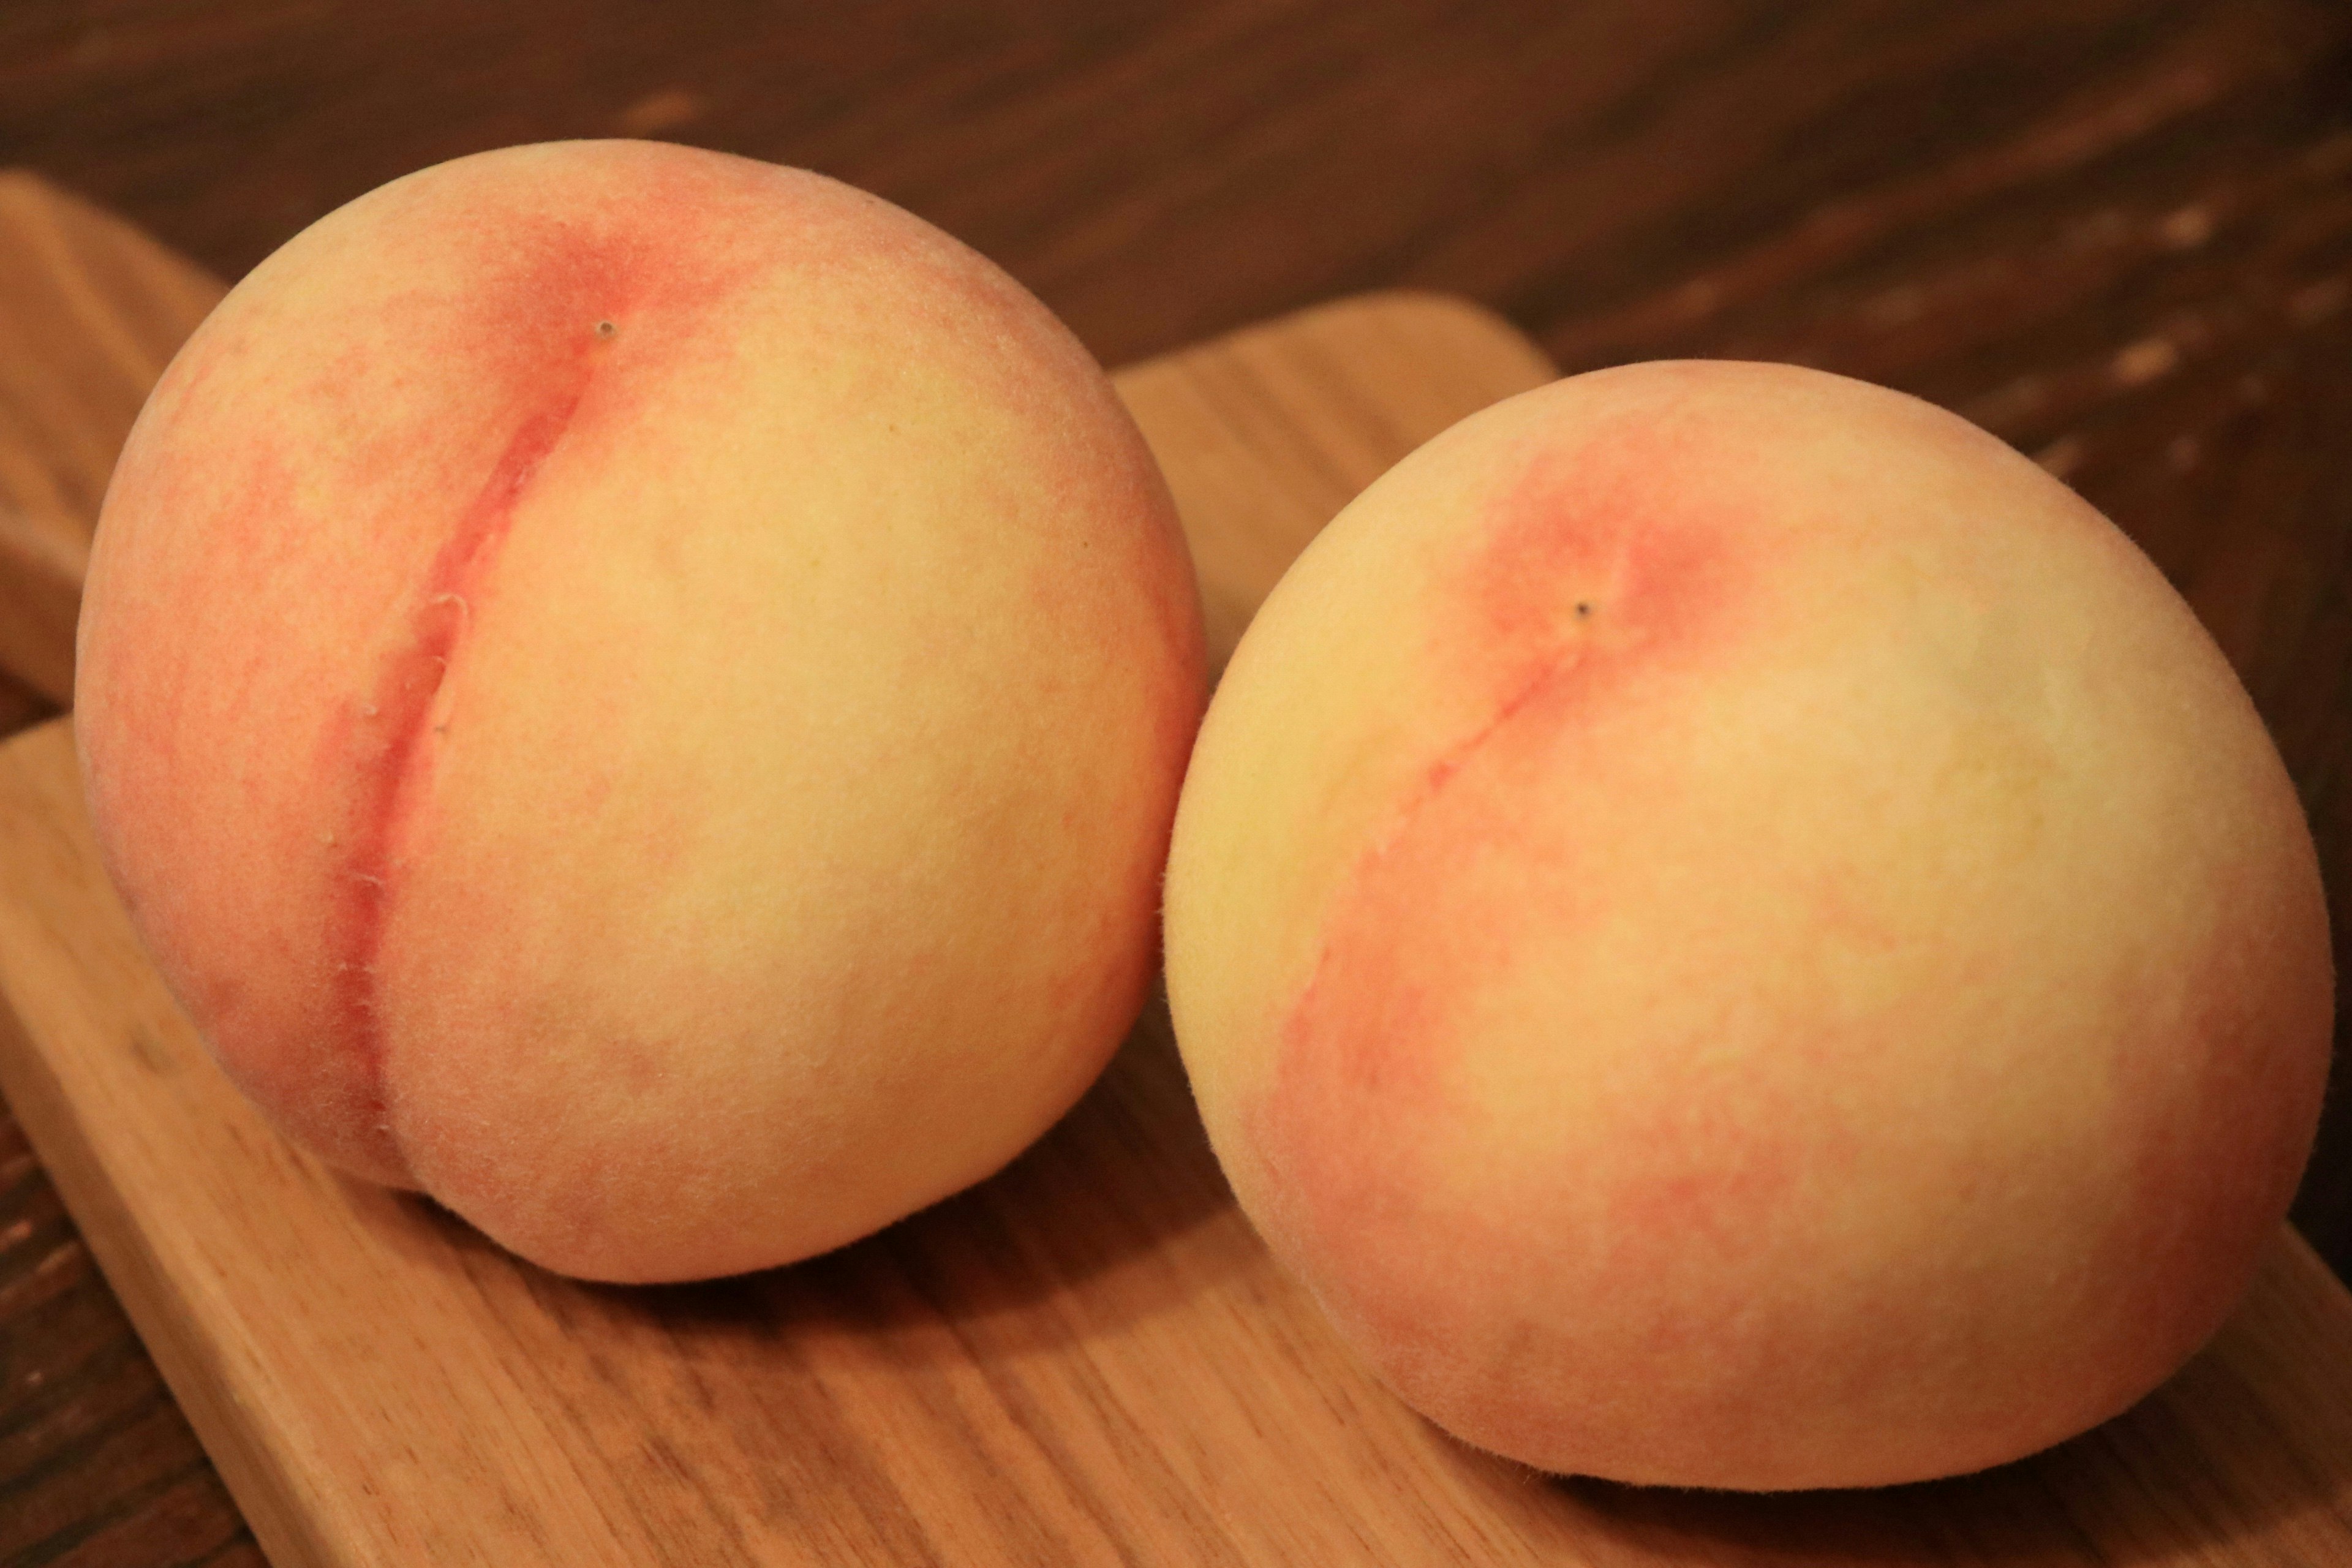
<point x="1088" y="1358"/>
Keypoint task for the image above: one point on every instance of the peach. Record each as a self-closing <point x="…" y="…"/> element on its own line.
<point x="1735" y="933"/>
<point x="642" y="693"/>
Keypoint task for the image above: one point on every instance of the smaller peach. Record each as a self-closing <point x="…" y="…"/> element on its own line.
<point x="1738" y="935"/>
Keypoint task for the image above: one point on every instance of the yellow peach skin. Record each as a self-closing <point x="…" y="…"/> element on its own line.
<point x="1738" y="935"/>
<point x="642" y="693"/>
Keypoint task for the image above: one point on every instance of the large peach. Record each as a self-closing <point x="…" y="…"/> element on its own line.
<point x="642" y="693"/>
<point x="1736" y="933"/>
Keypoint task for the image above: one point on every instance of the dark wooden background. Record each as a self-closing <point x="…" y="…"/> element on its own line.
<point x="2116" y="232"/>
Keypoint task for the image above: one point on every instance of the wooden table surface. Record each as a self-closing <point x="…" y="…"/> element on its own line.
<point x="2119" y="233"/>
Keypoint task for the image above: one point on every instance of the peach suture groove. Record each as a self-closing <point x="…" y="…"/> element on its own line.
<point x="1305" y="1013"/>
<point x="388" y="729"/>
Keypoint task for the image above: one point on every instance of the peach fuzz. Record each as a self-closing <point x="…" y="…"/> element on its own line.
<point x="1736" y="933"/>
<point x="642" y="693"/>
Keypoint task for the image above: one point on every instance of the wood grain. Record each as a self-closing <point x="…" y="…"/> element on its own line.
<point x="1089" y="1359"/>
<point x="97" y="1464"/>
